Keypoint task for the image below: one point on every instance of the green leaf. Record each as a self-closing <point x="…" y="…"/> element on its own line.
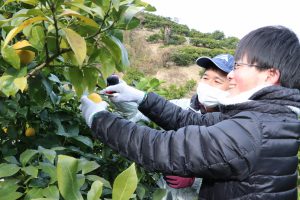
<point x="37" y="39"/>
<point x="48" y="153"/>
<point x="84" y="19"/>
<point x="50" y="170"/>
<point x="116" y="4"/>
<point x="98" y="178"/>
<point x="16" y="30"/>
<point x="51" y="192"/>
<point x="80" y="178"/>
<point x="7" y="82"/>
<point x="85" y="140"/>
<point x="125" y="184"/>
<point x="140" y="191"/>
<point x="21" y="83"/>
<point x="31" y="170"/>
<point x="88" y="166"/>
<point x="66" y="177"/>
<point x="12" y="160"/>
<point x="4" y="21"/>
<point x="33" y="193"/>
<point x="27" y="155"/>
<point x="154" y="83"/>
<point x="147" y="6"/>
<point x="159" y="194"/>
<point x="8" y="169"/>
<point x="77" y="44"/>
<point x="129" y="13"/>
<point x="134" y="22"/>
<point x="118" y="51"/>
<point x="107" y="63"/>
<point x="75" y="5"/>
<point x="8" y="189"/>
<point x="91" y="76"/>
<point x="10" y="56"/>
<point x="112" y="46"/>
<point x="31" y="2"/>
<point x="76" y="78"/>
<point x="95" y="191"/>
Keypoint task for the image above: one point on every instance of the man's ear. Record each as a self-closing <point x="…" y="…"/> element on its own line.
<point x="273" y="76"/>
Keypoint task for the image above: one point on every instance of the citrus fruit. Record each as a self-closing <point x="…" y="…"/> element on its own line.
<point x="26" y="56"/>
<point x="95" y="97"/>
<point x="30" y="132"/>
<point x="4" y="130"/>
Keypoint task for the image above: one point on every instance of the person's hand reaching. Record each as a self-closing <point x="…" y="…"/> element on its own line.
<point x="124" y="93"/>
<point x="178" y="182"/>
<point x="90" y="108"/>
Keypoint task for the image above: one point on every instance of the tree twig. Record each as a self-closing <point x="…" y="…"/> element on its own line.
<point x="41" y="66"/>
<point x="103" y="22"/>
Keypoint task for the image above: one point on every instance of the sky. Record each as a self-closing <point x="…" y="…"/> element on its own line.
<point x="232" y="17"/>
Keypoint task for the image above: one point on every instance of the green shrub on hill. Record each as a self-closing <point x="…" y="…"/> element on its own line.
<point x="156" y="37"/>
<point x="176" y="39"/>
<point x="187" y="55"/>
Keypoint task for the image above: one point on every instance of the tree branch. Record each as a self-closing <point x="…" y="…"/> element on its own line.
<point x="41" y="66"/>
<point x="103" y="22"/>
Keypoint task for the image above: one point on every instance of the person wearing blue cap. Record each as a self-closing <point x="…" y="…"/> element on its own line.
<point x="213" y="83"/>
<point x="212" y="86"/>
<point x="248" y="150"/>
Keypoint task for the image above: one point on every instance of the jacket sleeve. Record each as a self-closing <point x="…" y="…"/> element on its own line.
<point x="225" y="150"/>
<point x="171" y="117"/>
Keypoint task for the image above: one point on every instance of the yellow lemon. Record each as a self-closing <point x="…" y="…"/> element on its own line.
<point x="4" y="130"/>
<point x="30" y="132"/>
<point x="95" y="97"/>
<point x="26" y="56"/>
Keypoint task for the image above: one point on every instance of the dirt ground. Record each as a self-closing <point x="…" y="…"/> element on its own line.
<point x="178" y="75"/>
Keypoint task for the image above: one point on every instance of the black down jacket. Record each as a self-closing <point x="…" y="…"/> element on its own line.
<point x="246" y="151"/>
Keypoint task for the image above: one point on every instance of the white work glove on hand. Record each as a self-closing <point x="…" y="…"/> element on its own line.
<point x="89" y="109"/>
<point x="124" y="93"/>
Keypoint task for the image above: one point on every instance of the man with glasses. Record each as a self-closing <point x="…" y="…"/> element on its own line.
<point x="248" y="150"/>
<point x="212" y="85"/>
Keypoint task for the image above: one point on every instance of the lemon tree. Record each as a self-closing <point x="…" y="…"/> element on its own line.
<point x="52" y="52"/>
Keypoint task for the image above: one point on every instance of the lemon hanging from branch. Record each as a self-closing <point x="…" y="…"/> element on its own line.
<point x="26" y="56"/>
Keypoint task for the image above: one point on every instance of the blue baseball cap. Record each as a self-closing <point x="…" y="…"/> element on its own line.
<point x="224" y="62"/>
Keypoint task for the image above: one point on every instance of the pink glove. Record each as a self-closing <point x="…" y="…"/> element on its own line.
<point x="178" y="182"/>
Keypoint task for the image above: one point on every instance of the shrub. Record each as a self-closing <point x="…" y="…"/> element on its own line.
<point x="133" y="75"/>
<point x="187" y="55"/>
<point x="176" y="92"/>
<point x="177" y="39"/>
<point x="155" y="38"/>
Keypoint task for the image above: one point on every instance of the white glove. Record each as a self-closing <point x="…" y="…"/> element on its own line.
<point x="124" y="93"/>
<point x="126" y="109"/>
<point x="89" y="109"/>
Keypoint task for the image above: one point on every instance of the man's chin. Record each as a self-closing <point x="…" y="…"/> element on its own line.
<point x="232" y="92"/>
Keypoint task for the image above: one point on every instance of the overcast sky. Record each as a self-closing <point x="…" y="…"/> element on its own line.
<point x="233" y="17"/>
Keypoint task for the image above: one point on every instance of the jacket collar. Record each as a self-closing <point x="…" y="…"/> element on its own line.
<point x="271" y="99"/>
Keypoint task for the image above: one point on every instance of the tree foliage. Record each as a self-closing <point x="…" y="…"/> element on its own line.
<point x="77" y="45"/>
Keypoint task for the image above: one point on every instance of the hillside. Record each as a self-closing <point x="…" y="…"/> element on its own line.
<point x="164" y="49"/>
<point x="150" y="59"/>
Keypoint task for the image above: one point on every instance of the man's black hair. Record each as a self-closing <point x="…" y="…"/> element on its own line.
<point x="273" y="47"/>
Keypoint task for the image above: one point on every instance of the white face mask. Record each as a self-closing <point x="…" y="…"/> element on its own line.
<point x="209" y="96"/>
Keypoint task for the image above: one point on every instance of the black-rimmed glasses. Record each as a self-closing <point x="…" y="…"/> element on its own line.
<point x="237" y="65"/>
